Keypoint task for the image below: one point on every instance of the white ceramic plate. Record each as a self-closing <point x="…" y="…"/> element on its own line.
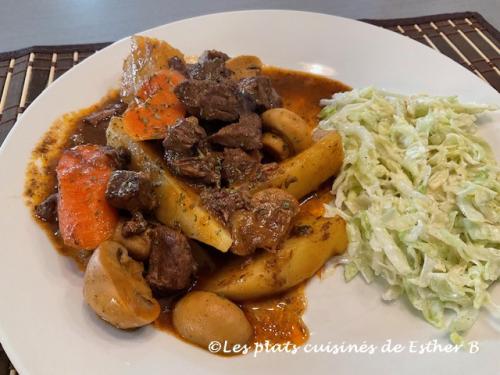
<point x="45" y="326"/>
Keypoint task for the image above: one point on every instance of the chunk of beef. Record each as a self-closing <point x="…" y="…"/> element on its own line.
<point x="213" y="70"/>
<point x="120" y="155"/>
<point x="212" y="54"/>
<point x="171" y="263"/>
<point x="211" y="65"/>
<point x="259" y="93"/>
<point x="105" y="114"/>
<point x="184" y="135"/>
<point x="130" y="190"/>
<point x="203" y="169"/>
<point x="210" y="100"/>
<point x="266" y="225"/>
<point x="274" y="210"/>
<point x="243" y="233"/>
<point x="176" y="63"/>
<point x="205" y="263"/>
<point x="223" y="202"/>
<point x="92" y="129"/>
<point x="179" y="146"/>
<point x="246" y="133"/>
<point x="238" y="166"/>
<point x="47" y="210"/>
<point x="136" y="225"/>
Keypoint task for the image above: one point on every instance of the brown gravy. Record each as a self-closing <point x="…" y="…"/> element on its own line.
<point x="40" y="173"/>
<point x="301" y="91"/>
<point x="278" y="318"/>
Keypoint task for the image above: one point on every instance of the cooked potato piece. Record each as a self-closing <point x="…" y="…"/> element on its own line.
<point x="147" y="56"/>
<point x="288" y="125"/>
<point x="300" y="257"/>
<point x="305" y="172"/>
<point x="115" y="289"/>
<point x="244" y="66"/>
<point x="203" y="317"/>
<point x="275" y="146"/>
<point x="178" y="205"/>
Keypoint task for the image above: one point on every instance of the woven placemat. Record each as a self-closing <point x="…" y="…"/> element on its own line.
<point x="465" y="37"/>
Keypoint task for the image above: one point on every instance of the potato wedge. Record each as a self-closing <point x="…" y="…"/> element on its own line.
<point x="147" y="56"/>
<point x="305" y="172"/>
<point x="268" y="273"/>
<point x="179" y="205"/>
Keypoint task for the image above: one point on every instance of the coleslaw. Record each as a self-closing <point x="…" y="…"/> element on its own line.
<point x="420" y="193"/>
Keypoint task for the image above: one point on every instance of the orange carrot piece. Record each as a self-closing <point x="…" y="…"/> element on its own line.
<point x="158" y="107"/>
<point x="85" y="217"/>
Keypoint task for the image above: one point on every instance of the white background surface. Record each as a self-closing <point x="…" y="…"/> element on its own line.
<point x="45" y="326"/>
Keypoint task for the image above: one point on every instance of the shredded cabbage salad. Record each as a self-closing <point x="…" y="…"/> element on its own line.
<point x="420" y="193"/>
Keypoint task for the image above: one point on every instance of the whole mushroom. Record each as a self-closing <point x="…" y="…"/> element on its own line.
<point x="202" y="317"/>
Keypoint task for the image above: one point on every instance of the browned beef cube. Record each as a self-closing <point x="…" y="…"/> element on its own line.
<point x="171" y="263"/>
<point x="259" y="93"/>
<point x="246" y="133"/>
<point x="210" y="100"/>
<point x="131" y="191"/>
<point x="105" y="114"/>
<point x="224" y="202"/>
<point x="184" y="135"/>
<point x="266" y="225"/>
<point x="203" y="169"/>
<point x="47" y="210"/>
<point x="238" y="166"/>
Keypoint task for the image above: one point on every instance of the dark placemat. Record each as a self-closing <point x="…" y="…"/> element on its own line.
<point x="465" y="37"/>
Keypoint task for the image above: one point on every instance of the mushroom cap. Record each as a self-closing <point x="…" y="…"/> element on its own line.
<point x="116" y="290"/>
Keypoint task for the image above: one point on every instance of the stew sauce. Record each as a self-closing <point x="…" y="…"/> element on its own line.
<point x="301" y="91"/>
<point x="277" y="319"/>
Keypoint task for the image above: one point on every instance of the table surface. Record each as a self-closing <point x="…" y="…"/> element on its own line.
<point x="25" y="23"/>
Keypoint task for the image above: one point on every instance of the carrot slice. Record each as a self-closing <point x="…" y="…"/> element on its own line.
<point x="157" y="107"/>
<point x="85" y="217"/>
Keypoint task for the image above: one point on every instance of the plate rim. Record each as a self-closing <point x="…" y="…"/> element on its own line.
<point x="15" y="356"/>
